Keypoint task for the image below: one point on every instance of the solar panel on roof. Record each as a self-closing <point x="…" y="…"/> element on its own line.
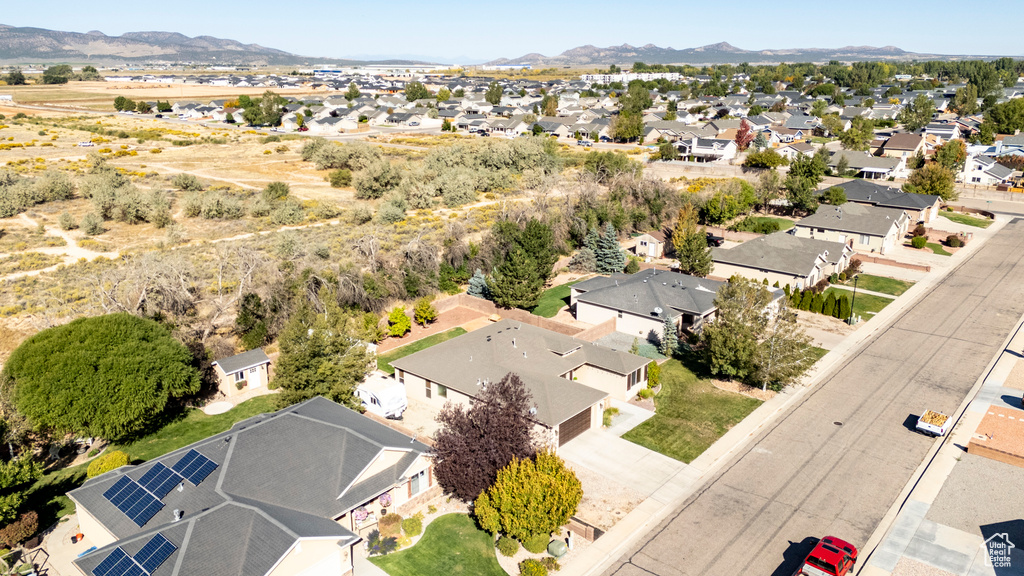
<point x="194" y="467"/>
<point x="154" y="553"/>
<point x="133" y="500"/>
<point x="109" y="564"/>
<point x="159" y="480"/>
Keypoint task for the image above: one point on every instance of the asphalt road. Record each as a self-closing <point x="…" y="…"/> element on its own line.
<point x="835" y="463"/>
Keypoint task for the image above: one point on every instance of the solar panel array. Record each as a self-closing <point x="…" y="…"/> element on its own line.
<point x="194" y="467"/>
<point x="152" y="555"/>
<point x="159" y="480"/>
<point x="133" y="500"/>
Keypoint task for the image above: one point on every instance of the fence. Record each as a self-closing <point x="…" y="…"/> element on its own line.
<point x="488" y="307"/>
<point x="888" y="262"/>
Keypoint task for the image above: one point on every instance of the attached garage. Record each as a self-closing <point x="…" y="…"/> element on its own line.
<point x="574" y="426"/>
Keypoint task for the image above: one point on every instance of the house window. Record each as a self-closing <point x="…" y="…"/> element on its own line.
<point x="976" y="179"/>
<point x="401" y="376"/>
<point x="620" y="313"/>
<point x="428" y="388"/>
<point x="252" y="370"/>
<point x="239" y="376"/>
<point x="865" y="239"/>
<point x="417" y="483"/>
<point x="442" y="391"/>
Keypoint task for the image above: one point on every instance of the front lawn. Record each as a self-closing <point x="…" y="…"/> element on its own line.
<point x="966" y="219"/>
<point x="552" y="300"/>
<point x="47" y="495"/>
<point x="866" y="305"/>
<point x="938" y="249"/>
<point x="762" y="224"/>
<point x="452" y="545"/>
<point x="691" y="414"/>
<point x="384" y="360"/>
<point x="882" y="284"/>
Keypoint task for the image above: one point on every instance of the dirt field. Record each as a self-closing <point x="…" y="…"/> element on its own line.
<point x="100" y="95"/>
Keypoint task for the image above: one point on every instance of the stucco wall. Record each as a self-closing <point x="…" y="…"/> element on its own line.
<point x="613" y="384"/>
<point x="315" y="557"/>
<point x="92" y="529"/>
<point x="628" y="324"/>
<point x="722" y="270"/>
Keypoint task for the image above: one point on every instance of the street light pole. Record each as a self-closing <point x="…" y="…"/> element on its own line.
<point x="854" y="300"/>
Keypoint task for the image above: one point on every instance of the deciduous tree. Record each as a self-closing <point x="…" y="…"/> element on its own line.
<point x="932" y="179"/>
<point x="744" y="136"/>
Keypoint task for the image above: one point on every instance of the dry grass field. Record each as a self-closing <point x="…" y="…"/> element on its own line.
<point x="100" y="95"/>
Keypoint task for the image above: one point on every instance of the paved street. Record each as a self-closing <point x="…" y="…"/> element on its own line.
<point x="837" y="460"/>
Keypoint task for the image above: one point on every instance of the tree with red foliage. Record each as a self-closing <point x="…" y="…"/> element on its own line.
<point x="744" y="136"/>
<point x="474" y="443"/>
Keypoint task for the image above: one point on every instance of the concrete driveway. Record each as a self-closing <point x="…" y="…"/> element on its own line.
<point x="620" y="460"/>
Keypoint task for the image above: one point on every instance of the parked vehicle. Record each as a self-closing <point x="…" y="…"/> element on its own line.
<point x="414" y="123"/>
<point x="933" y="423"/>
<point x="383" y="396"/>
<point x="482" y="133"/>
<point x="715" y="240"/>
<point x="831" y="557"/>
<point x="605" y="139"/>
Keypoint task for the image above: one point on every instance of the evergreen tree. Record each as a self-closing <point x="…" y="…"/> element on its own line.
<point x="816" y="303"/>
<point x="691" y="244"/>
<point x="805" y="299"/>
<point x="669" y="338"/>
<point x="844" y="307"/>
<point x="478" y="286"/>
<point x="609" y="255"/>
<point x="517" y="282"/>
<point x="829" y="309"/>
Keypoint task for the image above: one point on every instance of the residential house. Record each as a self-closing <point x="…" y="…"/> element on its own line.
<point x="651" y="244"/>
<point x="870" y="229"/>
<point x="784" y="258"/>
<point x="985" y="171"/>
<point x="242" y="372"/>
<point x="708" y="149"/>
<point x="791" y="151"/>
<point x="865" y="165"/>
<point x="641" y="303"/>
<point x="903" y="145"/>
<point x="919" y="207"/>
<point x="945" y="131"/>
<point x="284" y="494"/>
<point x="569" y="379"/>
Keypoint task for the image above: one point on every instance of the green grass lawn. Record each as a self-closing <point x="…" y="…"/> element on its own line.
<point x="691" y="414"/>
<point x="938" y="249"/>
<point x="47" y="495"/>
<point x="384" y="360"/>
<point x="967" y="220"/>
<point x="863" y="303"/>
<point x="451" y="546"/>
<point x="881" y="284"/>
<point x="552" y="300"/>
<point x="754" y="223"/>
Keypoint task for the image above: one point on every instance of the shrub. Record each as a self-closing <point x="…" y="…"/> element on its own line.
<point x="106" y="463"/>
<point x="550" y="563"/>
<point x="431" y="509"/>
<point x="853" y="268"/>
<point x="531" y="567"/>
<point x="363" y="214"/>
<point x="843" y="276"/>
<point x="508" y="546"/>
<point x="756" y="226"/>
<point x="398" y="322"/>
<point x="609" y="413"/>
<point x="920" y="230"/>
<point x="92" y="224"/>
<point x="378" y="546"/>
<point x="288" y="213"/>
<point x="390" y="212"/>
<point x="187" y="182"/>
<point x="424" y="311"/>
<point x="390" y="524"/>
<point x="340" y="178"/>
<point x="918" y="241"/>
<point x="645" y="393"/>
<point x="413" y="526"/>
<point x="653" y="374"/>
<point x="954" y="241"/>
<point x="67" y="221"/>
<point x="633" y="266"/>
<point x="20" y="530"/>
<point x="276" y="191"/>
<point x="537" y="543"/>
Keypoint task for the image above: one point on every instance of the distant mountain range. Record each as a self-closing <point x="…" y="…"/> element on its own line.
<point x="721" y="53"/>
<point x="24" y="45"/>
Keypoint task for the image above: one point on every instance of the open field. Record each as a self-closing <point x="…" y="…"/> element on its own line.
<point x="100" y="95"/>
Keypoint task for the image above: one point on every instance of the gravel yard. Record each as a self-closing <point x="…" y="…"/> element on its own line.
<point x="605" y="502"/>
<point x="980" y="492"/>
<point x="908" y="567"/>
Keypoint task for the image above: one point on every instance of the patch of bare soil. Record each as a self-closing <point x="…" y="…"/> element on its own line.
<point x="821" y="322"/>
<point x="604" y="502"/>
<point x="744" y="389"/>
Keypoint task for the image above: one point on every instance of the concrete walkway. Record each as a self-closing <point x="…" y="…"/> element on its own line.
<point x="629" y="417"/>
<point x="863" y="291"/>
<point x="621" y="461"/>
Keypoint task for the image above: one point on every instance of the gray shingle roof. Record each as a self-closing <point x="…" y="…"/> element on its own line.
<point x="865" y="192"/>
<point x="280" y="477"/>
<point x="780" y="252"/>
<point x="641" y="293"/>
<point x="540" y="357"/>
<point x="853" y="217"/>
<point x="243" y="361"/>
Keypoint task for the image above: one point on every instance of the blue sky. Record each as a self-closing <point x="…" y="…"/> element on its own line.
<point x="460" y="31"/>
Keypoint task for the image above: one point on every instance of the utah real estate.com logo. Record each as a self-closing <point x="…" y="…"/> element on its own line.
<point x="998" y="547"/>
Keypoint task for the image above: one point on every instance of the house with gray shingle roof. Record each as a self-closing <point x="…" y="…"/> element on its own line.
<point x="784" y="258"/>
<point x="641" y="303"/>
<point x="919" y="207"/>
<point x="871" y="229"/>
<point x="291" y="492"/>
<point x="569" y="379"/>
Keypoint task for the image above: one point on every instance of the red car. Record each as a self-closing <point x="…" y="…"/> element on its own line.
<point x="831" y="557"/>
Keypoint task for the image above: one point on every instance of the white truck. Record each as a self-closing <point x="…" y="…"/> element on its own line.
<point x="933" y="423"/>
<point x="383" y="396"/>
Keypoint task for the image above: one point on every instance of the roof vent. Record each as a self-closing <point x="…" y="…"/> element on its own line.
<point x="533" y="410"/>
<point x="181" y="486"/>
<point x="513" y="342"/>
<point x="524" y="354"/>
<point x="657" y="310"/>
<point x="177" y="515"/>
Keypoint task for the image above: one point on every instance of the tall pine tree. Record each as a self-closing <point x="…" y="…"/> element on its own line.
<point x="610" y="257"/>
<point x="669" y="338"/>
<point x="691" y="244"/>
<point x="517" y="282"/>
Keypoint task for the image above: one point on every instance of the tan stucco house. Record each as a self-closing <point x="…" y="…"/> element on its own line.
<point x="278" y="494"/>
<point x="869" y="229"/>
<point x="242" y="372"/>
<point x="784" y="258"/>
<point x="919" y="207"/>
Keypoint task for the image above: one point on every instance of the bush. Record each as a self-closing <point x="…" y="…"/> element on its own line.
<point x="920" y="230"/>
<point x="645" y="393"/>
<point x="276" y="191"/>
<point x="756" y="226"/>
<point x="537" y="543"/>
<point x="288" y="214"/>
<point x="531" y="567"/>
<point x="954" y="241"/>
<point x="106" y="463"/>
<point x="67" y="221"/>
<point x="413" y="526"/>
<point x="550" y="563"/>
<point x="340" y="178"/>
<point x="398" y="322"/>
<point x="853" y="268"/>
<point x="609" y="413"/>
<point x="378" y="546"/>
<point x="390" y="212"/>
<point x="843" y="276"/>
<point x="918" y="241"/>
<point x="92" y="224"/>
<point x="375" y="180"/>
<point x="20" y="530"/>
<point x="653" y="374"/>
<point x="187" y="182"/>
<point x="390" y="525"/>
<point x="507" y="546"/>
